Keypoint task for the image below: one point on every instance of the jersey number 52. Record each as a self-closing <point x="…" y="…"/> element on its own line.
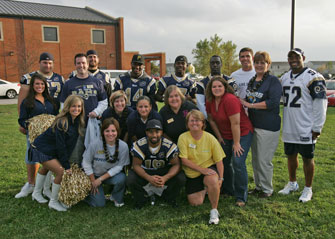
<point x="291" y="96"/>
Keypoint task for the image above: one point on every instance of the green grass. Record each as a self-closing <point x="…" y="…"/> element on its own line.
<point x="277" y="217"/>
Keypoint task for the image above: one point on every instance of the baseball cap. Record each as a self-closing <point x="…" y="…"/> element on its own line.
<point x="154" y="124"/>
<point x="46" y="56"/>
<point x="91" y="52"/>
<point x="297" y="51"/>
<point x="181" y="58"/>
<point x="137" y="58"/>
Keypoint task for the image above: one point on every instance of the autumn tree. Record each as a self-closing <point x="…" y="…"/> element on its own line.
<point x="215" y="46"/>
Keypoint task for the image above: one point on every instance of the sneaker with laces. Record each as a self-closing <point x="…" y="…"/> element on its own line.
<point x="214" y="217"/>
<point x="306" y="195"/>
<point x="290" y="187"/>
<point x="25" y="191"/>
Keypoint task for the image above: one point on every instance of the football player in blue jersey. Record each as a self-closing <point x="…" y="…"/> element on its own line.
<point x="93" y="68"/>
<point x="156" y="167"/>
<point x="55" y="81"/>
<point x="180" y="79"/>
<point x="137" y="83"/>
<point x="215" y="64"/>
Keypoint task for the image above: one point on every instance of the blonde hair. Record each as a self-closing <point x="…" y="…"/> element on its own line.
<point x="61" y="120"/>
<point x="197" y="114"/>
<point x="168" y="91"/>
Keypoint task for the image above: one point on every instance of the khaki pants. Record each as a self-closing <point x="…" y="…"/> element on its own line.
<point x="263" y="147"/>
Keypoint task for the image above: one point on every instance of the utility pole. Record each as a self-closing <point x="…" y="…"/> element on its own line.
<point x="292" y="24"/>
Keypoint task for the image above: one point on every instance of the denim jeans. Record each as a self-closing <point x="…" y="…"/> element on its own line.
<point x="119" y="185"/>
<point x="235" y="170"/>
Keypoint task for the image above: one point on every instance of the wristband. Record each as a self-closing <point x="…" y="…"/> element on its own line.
<point x="221" y="179"/>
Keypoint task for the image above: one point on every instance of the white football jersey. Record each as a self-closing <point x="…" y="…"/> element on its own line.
<point x="299" y="116"/>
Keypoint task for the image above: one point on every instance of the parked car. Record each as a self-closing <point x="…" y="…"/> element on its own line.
<point x="9" y="89"/>
<point x="330" y="84"/>
<point x="113" y="74"/>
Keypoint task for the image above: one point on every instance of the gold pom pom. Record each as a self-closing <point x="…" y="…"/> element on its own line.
<point x="74" y="187"/>
<point x="38" y="124"/>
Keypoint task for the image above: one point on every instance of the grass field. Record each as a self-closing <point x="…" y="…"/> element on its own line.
<point x="277" y="217"/>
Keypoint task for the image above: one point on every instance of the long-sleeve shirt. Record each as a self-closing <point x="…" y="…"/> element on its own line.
<point x="59" y="143"/>
<point x="40" y="108"/>
<point x="94" y="159"/>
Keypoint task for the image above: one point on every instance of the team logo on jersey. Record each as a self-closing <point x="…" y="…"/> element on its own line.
<point x="251" y="99"/>
<point x="175" y="154"/>
<point x="142" y="83"/>
<point x="161" y="155"/>
<point x="317" y="89"/>
<point x="99" y="76"/>
<point x="304" y="139"/>
<point x="185" y="83"/>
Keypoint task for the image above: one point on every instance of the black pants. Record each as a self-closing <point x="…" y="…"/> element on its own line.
<point x="135" y="184"/>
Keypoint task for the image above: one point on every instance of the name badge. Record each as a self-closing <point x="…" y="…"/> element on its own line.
<point x="192" y="146"/>
<point x="169" y="121"/>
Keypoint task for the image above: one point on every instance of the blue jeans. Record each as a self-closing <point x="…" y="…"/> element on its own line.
<point x="119" y="186"/>
<point x="235" y="170"/>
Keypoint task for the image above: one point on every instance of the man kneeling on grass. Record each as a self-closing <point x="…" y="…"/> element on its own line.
<point x="156" y="167"/>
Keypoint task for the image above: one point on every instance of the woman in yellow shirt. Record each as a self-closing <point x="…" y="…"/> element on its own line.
<point x="201" y="156"/>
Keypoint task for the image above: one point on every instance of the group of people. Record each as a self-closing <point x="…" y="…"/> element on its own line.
<point x="199" y="139"/>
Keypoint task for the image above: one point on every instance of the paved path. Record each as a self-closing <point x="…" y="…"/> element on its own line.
<point x="5" y="101"/>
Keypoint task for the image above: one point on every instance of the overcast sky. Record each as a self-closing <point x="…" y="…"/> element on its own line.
<point x="175" y="26"/>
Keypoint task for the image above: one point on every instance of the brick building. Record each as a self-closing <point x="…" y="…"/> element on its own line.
<point x="28" y="29"/>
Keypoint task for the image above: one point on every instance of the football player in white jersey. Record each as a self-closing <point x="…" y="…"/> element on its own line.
<point x="305" y="106"/>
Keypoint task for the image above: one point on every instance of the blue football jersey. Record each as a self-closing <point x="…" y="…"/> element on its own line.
<point x="186" y="85"/>
<point x="55" y="82"/>
<point x="154" y="160"/>
<point x="89" y="89"/>
<point x="102" y="76"/>
<point x="134" y="88"/>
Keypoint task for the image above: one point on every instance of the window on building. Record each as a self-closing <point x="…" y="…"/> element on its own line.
<point x="1" y="32"/>
<point x="98" y="36"/>
<point x="50" y="33"/>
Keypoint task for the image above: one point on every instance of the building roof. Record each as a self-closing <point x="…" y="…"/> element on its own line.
<point x="11" y="8"/>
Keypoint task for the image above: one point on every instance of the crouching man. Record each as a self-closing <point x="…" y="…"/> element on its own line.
<point x="156" y="167"/>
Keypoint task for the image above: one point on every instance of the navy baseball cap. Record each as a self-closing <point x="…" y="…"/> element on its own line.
<point x="154" y="124"/>
<point x="91" y="52"/>
<point x="46" y="56"/>
<point x="181" y="58"/>
<point x="137" y="58"/>
<point x="297" y="51"/>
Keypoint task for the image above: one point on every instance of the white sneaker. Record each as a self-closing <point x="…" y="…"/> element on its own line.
<point x="306" y="195"/>
<point x="214" y="217"/>
<point x="25" y="191"/>
<point x="116" y="204"/>
<point x="290" y="187"/>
